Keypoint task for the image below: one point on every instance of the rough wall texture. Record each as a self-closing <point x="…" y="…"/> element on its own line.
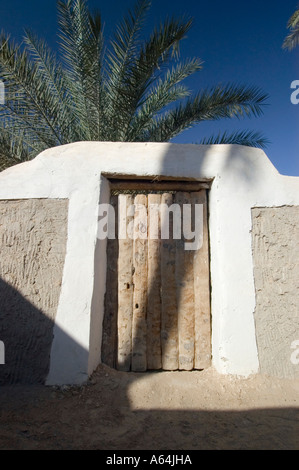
<point x="33" y="237"/>
<point x="276" y="271"/>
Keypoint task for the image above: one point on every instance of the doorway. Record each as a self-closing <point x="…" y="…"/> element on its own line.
<point x="157" y="301"/>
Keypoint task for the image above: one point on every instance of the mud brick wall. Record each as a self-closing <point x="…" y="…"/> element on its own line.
<point x="275" y="240"/>
<point x="33" y="235"/>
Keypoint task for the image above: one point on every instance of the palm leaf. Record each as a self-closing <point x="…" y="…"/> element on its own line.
<point x="292" y="39"/>
<point x="81" y="45"/>
<point x="120" y="61"/>
<point x="209" y="105"/>
<point x="165" y="92"/>
<point x="26" y="93"/>
<point x="12" y="150"/>
<point x="52" y="74"/>
<point x="133" y="90"/>
<point x="247" y="138"/>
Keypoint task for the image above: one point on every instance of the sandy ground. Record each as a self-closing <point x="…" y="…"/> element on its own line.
<point x="153" y="411"/>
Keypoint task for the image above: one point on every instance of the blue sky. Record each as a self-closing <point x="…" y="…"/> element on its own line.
<point x="239" y="42"/>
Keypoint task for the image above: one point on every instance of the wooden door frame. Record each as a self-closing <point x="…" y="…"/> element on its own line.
<point x="119" y="184"/>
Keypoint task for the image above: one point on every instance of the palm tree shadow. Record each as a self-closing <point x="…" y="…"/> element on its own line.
<point x="246" y="175"/>
<point x="27" y="335"/>
<point x="31" y="420"/>
<point x="199" y="429"/>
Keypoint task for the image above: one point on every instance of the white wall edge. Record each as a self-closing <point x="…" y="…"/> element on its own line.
<point x="242" y="178"/>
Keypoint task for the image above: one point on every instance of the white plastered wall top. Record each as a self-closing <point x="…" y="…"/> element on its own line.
<point x="241" y="178"/>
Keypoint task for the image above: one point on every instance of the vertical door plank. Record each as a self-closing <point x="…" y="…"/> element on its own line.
<point x="185" y="291"/>
<point x="125" y="286"/>
<point x="157" y="303"/>
<point x="109" y="339"/>
<point x="169" y="320"/>
<point x="154" y="359"/>
<point x="139" y="362"/>
<point x="202" y="291"/>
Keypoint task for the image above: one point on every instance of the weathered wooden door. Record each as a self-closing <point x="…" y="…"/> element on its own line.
<point x="157" y="304"/>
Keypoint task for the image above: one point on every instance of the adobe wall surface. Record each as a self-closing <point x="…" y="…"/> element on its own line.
<point x="276" y="274"/>
<point x="33" y="236"/>
<point x="240" y="179"/>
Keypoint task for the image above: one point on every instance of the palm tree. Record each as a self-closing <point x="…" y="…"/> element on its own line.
<point x="292" y="39"/>
<point x="130" y="90"/>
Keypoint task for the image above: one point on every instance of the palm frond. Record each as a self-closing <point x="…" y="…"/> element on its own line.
<point x="244" y="137"/>
<point x="81" y="42"/>
<point x="292" y="39"/>
<point x="155" y="58"/>
<point x="145" y="68"/>
<point x="27" y="93"/>
<point x="12" y="149"/>
<point x="133" y="90"/>
<point x="166" y="91"/>
<point x="52" y="74"/>
<point x="121" y="59"/>
<point x="209" y="105"/>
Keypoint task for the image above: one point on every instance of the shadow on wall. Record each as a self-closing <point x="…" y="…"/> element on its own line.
<point x="129" y="428"/>
<point x="103" y="416"/>
<point x="173" y="267"/>
<point x="27" y="334"/>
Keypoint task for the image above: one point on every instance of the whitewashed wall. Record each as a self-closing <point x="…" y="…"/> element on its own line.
<point x="241" y="178"/>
